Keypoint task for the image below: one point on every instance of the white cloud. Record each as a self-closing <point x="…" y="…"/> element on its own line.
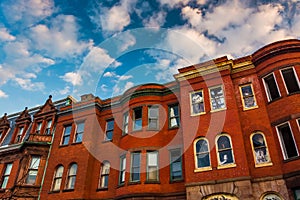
<point x="126" y="40"/>
<point x="109" y="74"/>
<point x="128" y="85"/>
<point x="5" y="35"/>
<point x="173" y="3"/>
<point x="157" y="20"/>
<point x="64" y="91"/>
<point x="3" y="94"/>
<point x="124" y="77"/>
<point x="73" y="77"/>
<point x="27" y="11"/>
<point x="115" y="18"/>
<point x="27" y="84"/>
<point x="60" y="39"/>
<point x="104" y="88"/>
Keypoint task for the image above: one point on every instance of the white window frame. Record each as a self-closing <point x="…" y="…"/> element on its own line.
<point x="192" y="104"/>
<point x="267" y="88"/>
<point x="295" y="74"/>
<point x="104" y="172"/>
<point x="48" y="127"/>
<point x="38" y="127"/>
<point x="243" y="98"/>
<point x="122" y="172"/>
<point x="70" y="177"/>
<point x="282" y="146"/>
<point x="134" y="119"/>
<point x="220" y="165"/>
<point x="132" y="167"/>
<point x="176" y="160"/>
<point x="172" y="116"/>
<point x="269" y="162"/>
<point x="206" y="168"/>
<point x="79" y="133"/>
<point x="20" y="132"/>
<point x="33" y="167"/>
<point x="149" y="166"/>
<point x="112" y="120"/>
<point x="6" y="174"/>
<point x="57" y="177"/>
<point x="210" y="98"/>
<point x="63" y="134"/>
<point x="125" y="127"/>
<point x="156" y="107"/>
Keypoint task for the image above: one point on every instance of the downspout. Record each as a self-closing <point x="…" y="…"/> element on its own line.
<point x="46" y="165"/>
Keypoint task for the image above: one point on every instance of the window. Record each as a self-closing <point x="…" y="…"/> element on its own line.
<point x="103" y="183"/>
<point x="109" y="130"/>
<point x="217" y="99"/>
<point x="287" y="141"/>
<point x="48" y="127"/>
<point x="6" y="175"/>
<point x="38" y="127"/>
<point x="197" y="102"/>
<point x="260" y="150"/>
<point x="57" y="178"/>
<point x="290" y="80"/>
<point x="153" y="113"/>
<point x="173" y="116"/>
<point x="66" y="136"/>
<point x="19" y="134"/>
<point x="71" y="179"/>
<point x="137" y="119"/>
<point x="297" y="193"/>
<point x="135" y="166"/>
<point x="125" y="123"/>
<point x="122" y="169"/>
<point x="271" y="87"/>
<point x="33" y="170"/>
<point x="152" y="166"/>
<point x="225" y="153"/>
<point x="248" y="98"/>
<point x="79" y="132"/>
<point x="176" y="164"/>
<point x="202" y="157"/>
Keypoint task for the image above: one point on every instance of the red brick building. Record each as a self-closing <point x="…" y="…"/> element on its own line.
<point x="223" y="129"/>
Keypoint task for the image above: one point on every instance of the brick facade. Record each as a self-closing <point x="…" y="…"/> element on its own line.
<point x="223" y="129"/>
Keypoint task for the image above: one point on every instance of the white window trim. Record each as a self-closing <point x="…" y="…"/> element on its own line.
<point x="210" y="102"/>
<point x="201" y="169"/>
<point x="191" y="103"/>
<point x="106" y="129"/>
<point x="63" y="133"/>
<point x="131" y="165"/>
<point x="284" y="153"/>
<point x="242" y="97"/>
<point x="75" y="133"/>
<point x="233" y="164"/>
<point x="295" y="74"/>
<point x="157" y="166"/>
<point x="266" y="145"/>
<point x="267" y="89"/>
<point x="154" y="106"/>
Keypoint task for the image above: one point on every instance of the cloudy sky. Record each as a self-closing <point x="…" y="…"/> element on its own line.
<point x="74" y="47"/>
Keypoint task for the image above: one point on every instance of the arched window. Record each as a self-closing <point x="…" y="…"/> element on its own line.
<point x="225" y="152"/>
<point x="202" y="157"/>
<point x="260" y="149"/>
<point x="57" y="178"/>
<point x="71" y="176"/>
<point x="104" y="173"/>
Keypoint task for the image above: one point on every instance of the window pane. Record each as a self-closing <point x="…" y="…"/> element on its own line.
<point x="35" y="162"/>
<point x="217" y="98"/>
<point x="59" y="171"/>
<point x="73" y="170"/>
<point x="71" y="182"/>
<point x="104" y="181"/>
<point x="80" y="127"/>
<point x="248" y="96"/>
<point x="57" y="183"/>
<point x="258" y="140"/>
<point x="4" y="182"/>
<point x="271" y="87"/>
<point x="31" y="177"/>
<point x="176" y="164"/>
<point x="125" y="123"/>
<point x="8" y="169"/>
<point x="290" y="80"/>
<point x="197" y="102"/>
<point x="287" y="140"/>
<point x="152" y="173"/>
<point x="173" y="116"/>
<point x="225" y="157"/>
<point x="110" y="125"/>
<point x="223" y="143"/>
<point x="152" y="159"/>
<point x="201" y="146"/>
<point x="203" y="160"/>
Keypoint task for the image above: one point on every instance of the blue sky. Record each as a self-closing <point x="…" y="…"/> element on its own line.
<point x="74" y="47"/>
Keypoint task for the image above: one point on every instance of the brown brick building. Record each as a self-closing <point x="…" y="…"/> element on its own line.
<point x="223" y="129"/>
